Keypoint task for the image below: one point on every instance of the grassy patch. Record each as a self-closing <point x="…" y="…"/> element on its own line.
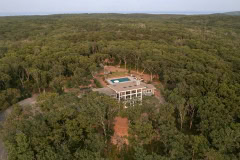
<point x="117" y="74"/>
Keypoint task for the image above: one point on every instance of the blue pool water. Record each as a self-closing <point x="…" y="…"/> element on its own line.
<point x="120" y="80"/>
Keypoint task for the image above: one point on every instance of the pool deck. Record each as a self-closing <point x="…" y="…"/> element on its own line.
<point x="130" y="78"/>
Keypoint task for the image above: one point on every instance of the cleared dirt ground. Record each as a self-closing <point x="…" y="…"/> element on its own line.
<point x="120" y="131"/>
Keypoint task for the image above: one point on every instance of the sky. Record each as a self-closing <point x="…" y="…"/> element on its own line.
<point x="87" y="6"/>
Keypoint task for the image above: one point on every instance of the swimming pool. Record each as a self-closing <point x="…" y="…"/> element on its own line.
<point x="119" y="80"/>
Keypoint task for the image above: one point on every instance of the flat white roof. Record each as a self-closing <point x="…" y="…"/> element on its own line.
<point x="121" y="87"/>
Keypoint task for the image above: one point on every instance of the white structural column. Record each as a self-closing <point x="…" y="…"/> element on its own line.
<point x="119" y="96"/>
<point x="131" y="94"/>
<point x="141" y="94"/>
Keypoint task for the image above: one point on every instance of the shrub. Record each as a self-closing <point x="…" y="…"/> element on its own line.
<point x="98" y="84"/>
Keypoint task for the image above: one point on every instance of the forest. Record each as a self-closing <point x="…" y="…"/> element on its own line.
<point x="196" y="59"/>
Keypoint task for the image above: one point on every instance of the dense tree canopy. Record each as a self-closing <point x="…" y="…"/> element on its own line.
<point x="196" y="58"/>
<point x="61" y="127"/>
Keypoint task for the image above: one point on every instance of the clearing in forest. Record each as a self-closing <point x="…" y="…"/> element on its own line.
<point x="120" y="132"/>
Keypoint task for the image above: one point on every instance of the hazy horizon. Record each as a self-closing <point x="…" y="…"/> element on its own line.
<point x="95" y="12"/>
<point x="37" y="7"/>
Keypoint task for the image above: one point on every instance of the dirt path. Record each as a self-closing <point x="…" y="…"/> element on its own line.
<point x="3" y="116"/>
<point x="120" y="131"/>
